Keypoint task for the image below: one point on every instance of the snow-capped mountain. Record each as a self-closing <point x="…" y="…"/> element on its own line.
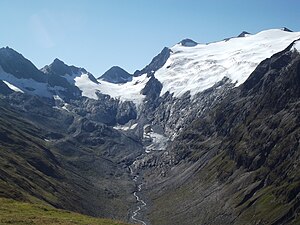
<point x="195" y="68"/>
<point x="67" y="77"/>
<point x="185" y="67"/>
<point x="211" y="129"/>
<point x="15" y="64"/>
<point x="57" y="79"/>
<point x="198" y="68"/>
<point x="20" y="75"/>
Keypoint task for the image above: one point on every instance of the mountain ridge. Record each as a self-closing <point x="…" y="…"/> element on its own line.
<point x="83" y="83"/>
<point x="210" y="130"/>
<point x="229" y="170"/>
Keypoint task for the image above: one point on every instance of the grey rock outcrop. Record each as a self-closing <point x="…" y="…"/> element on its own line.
<point x="116" y="75"/>
<point x="156" y="63"/>
<point x="243" y="34"/>
<point x="4" y="89"/>
<point x="188" y="42"/>
<point x="14" y="63"/>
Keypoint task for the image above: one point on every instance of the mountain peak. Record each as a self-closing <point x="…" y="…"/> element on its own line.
<point x="57" y="61"/>
<point x="16" y="64"/>
<point x="9" y="52"/>
<point x="116" y="75"/>
<point x="57" y="67"/>
<point x="286" y="29"/>
<point x="243" y="34"/>
<point x="116" y="68"/>
<point x="188" y="42"/>
<point x="156" y="63"/>
<point x="7" y="48"/>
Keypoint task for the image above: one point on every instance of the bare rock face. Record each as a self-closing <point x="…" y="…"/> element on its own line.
<point x="14" y="63"/>
<point x="286" y="29"/>
<point x="105" y="110"/>
<point x="243" y="34"/>
<point x="59" y="68"/>
<point x="188" y="42"/>
<point x="156" y="63"/>
<point x="116" y="75"/>
<point x="4" y="89"/>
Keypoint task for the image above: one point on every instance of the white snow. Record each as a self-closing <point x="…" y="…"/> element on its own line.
<point x="133" y="126"/>
<point x="87" y="86"/>
<point x="198" y="68"/>
<point x="58" y="98"/>
<point x="26" y="85"/>
<point x="125" y="127"/>
<point x="128" y="91"/>
<point x="157" y="142"/>
<point x="62" y="105"/>
<point x="297" y="46"/>
<point x="65" y="107"/>
<point x="191" y="69"/>
<point x="13" y="87"/>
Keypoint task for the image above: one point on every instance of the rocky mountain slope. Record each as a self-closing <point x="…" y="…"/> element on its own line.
<point x="237" y="163"/>
<point x="51" y="156"/>
<point x="204" y="134"/>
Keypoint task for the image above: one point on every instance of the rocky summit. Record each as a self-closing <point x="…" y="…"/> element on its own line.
<point x="203" y="134"/>
<point x="116" y="75"/>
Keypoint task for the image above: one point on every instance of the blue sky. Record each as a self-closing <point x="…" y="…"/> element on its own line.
<point x="98" y="34"/>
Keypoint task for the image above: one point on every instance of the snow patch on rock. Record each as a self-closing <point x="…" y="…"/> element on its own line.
<point x="154" y="141"/>
<point x="13" y="87"/>
<point x="25" y="85"/>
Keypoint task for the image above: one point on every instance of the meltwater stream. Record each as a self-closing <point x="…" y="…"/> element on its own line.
<point x="139" y="200"/>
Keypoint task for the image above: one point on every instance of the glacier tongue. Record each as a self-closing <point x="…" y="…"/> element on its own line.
<point x="198" y="68"/>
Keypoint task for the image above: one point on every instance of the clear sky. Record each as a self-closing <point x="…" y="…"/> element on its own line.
<point x="98" y="34"/>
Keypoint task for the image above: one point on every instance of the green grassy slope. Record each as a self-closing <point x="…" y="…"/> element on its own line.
<point x="15" y="212"/>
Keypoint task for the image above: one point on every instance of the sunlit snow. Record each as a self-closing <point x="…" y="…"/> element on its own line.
<point x="128" y="91"/>
<point x="197" y="68"/>
<point x="297" y="45"/>
<point x="191" y="69"/>
<point x="158" y="142"/>
<point x="13" y="87"/>
<point x="125" y="127"/>
<point x="26" y="85"/>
